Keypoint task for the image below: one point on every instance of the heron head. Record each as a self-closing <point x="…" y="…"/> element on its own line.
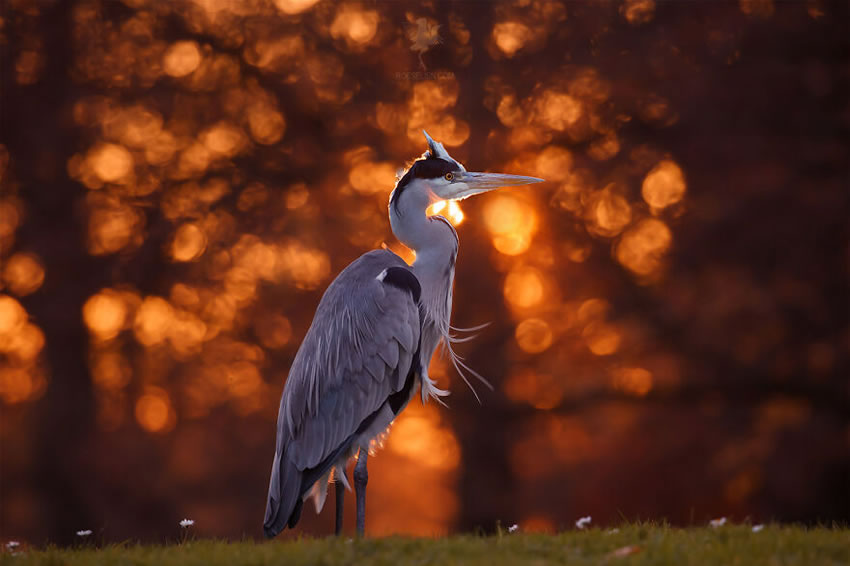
<point x="444" y="178"/>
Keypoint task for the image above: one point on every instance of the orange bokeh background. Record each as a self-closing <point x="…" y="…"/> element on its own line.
<point x="668" y="338"/>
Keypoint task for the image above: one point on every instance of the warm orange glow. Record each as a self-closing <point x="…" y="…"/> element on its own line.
<point x="219" y="312"/>
<point x="634" y="381"/>
<point x="104" y="314"/>
<point x="112" y="227"/>
<point x="512" y="222"/>
<point x="15" y="384"/>
<point x="297" y="196"/>
<point x="112" y="163"/>
<point x="402" y="251"/>
<point x="509" y="111"/>
<point x="185" y="296"/>
<point x="10" y="217"/>
<point x="182" y="58"/>
<point x="573" y="191"/>
<point x="186" y="334"/>
<point x="605" y="148"/>
<point x="602" y="339"/>
<point x="243" y="379"/>
<point x="419" y="435"/>
<point x="428" y="486"/>
<point x="224" y="139"/>
<point x="368" y="177"/>
<point x="23" y="273"/>
<point x="514" y="243"/>
<point x="638" y="12"/>
<point x="533" y="335"/>
<point x="241" y="284"/>
<point x="154" y="411"/>
<point x="274" y="330"/>
<point x="433" y="96"/>
<point x="576" y="251"/>
<point x="642" y="247"/>
<point x="428" y="108"/>
<point x="12" y="316"/>
<point x="153" y="321"/>
<point x="510" y="37"/>
<point x="607" y="212"/>
<point x="537" y="524"/>
<point x="161" y="148"/>
<point x="391" y="118"/>
<point x="110" y="371"/>
<point x="294" y="6"/>
<point x="194" y="160"/>
<point x="592" y="309"/>
<point x="541" y="391"/>
<point x="588" y="85"/>
<point x="136" y="126"/>
<point x="524" y="287"/>
<point x="448" y="209"/>
<point x="276" y="53"/>
<point x="557" y="110"/>
<point x="266" y="124"/>
<point x="554" y="163"/>
<point x="25" y="344"/>
<point x="664" y="185"/>
<point x="252" y="196"/>
<point x="254" y="258"/>
<point x="356" y="27"/>
<point x="189" y="242"/>
<point x="307" y="267"/>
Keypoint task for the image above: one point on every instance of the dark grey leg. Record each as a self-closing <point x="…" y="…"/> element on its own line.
<point x="361" y="478"/>
<point x="339" y="489"/>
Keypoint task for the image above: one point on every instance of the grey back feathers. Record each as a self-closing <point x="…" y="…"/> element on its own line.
<point x="358" y="352"/>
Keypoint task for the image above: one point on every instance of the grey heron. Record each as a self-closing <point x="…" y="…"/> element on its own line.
<point x="370" y="344"/>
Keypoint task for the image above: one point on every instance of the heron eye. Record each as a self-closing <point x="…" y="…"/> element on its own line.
<point x="449" y="176"/>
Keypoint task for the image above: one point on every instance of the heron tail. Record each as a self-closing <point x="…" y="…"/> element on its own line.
<point x="283" y="507"/>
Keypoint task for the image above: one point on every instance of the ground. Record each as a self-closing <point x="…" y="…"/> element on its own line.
<point x="630" y="544"/>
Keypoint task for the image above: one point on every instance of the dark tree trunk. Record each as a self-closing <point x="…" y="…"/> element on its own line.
<point x="37" y="130"/>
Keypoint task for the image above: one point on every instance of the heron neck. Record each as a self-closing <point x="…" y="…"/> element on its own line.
<point x="435" y="242"/>
<point x="432" y="239"/>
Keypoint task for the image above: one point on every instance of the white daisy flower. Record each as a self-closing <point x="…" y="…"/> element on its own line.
<point x="84" y="533"/>
<point x="513" y="528"/>
<point x="757" y="528"/>
<point x="583" y="522"/>
<point x="717" y="522"/>
<point x="186" y="523"/>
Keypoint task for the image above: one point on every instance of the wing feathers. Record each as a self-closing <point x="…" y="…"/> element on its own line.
<point x="389" y="353"/>
<point x="356" y="353"/>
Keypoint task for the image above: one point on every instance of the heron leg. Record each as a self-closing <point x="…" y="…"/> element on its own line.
<point x="339" y="490"/>
<point x="361" y="478"/>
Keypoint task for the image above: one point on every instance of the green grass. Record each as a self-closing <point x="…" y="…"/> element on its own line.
<point x="647" y="544"/>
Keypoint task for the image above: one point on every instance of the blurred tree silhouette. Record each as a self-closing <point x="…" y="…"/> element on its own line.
<point x="180" y="181"/>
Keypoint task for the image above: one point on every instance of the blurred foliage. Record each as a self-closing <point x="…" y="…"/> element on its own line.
<point x="179" y="181"/>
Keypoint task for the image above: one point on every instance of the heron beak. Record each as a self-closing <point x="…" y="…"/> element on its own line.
<point x="474" y="183"/>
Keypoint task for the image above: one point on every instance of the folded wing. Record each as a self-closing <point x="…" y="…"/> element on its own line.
<point x="358" y="352"/>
